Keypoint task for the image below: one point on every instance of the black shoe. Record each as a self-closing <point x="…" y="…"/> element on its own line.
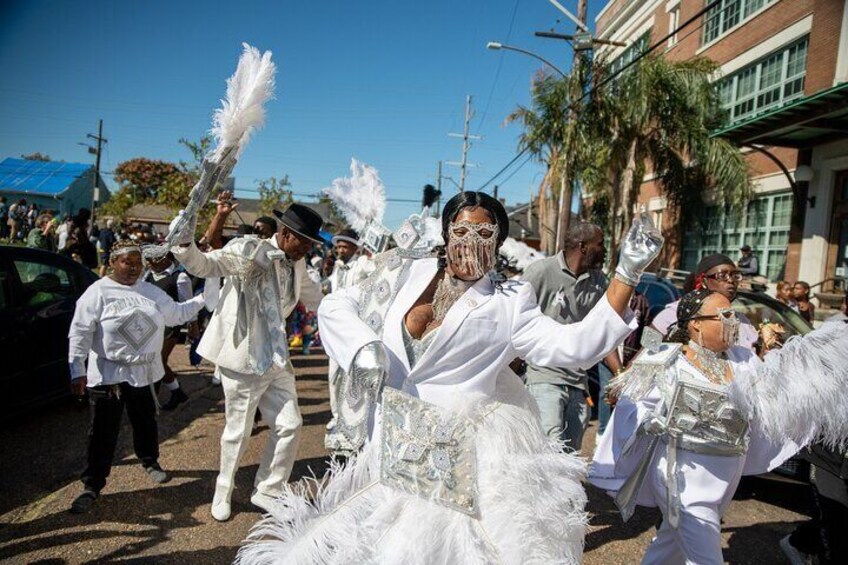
<point x="156" y="474"/>
<point x="83" y="502"/>
<point x="177" y="398"/>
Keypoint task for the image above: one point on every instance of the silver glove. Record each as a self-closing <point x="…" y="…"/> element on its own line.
<point x="369" y="367"/>
<point x="640" y="247"/>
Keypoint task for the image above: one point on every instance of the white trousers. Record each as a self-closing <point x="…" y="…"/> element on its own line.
<point x="331" y="381"/>
<point x="696" y="541"/>
<point x="275" y="395"/>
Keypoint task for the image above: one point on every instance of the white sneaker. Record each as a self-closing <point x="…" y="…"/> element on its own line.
<point x="263" y="501"/>
<point x="216" y="380"/>
<point x="795" y="557"/>
<point x="331" y="424"/>
<point x="221" y="509"/>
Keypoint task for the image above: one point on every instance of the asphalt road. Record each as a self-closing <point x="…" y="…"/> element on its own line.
<point x="136" y="521"/>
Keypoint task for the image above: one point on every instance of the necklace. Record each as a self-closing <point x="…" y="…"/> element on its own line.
<point x="447" y="293"/>
<point x="713" y="364"/>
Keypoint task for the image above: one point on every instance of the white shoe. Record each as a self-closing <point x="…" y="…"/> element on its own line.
<point x="263" y="501"/>
<point x="795" y="557"/>
<point x="331" y="424"/>
<point x="221" y="509"/>
<point x="216" y="380"/>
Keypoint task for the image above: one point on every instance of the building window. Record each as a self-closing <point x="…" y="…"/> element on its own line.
<point x="727" y="14"/>
<point x="764" y="226"/>
<point x="770" y="82"/>
<point x="630" y="52"/>
<point x="673" y="23"/>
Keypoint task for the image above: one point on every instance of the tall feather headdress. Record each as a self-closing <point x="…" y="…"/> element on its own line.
<point x="241" y="113"/>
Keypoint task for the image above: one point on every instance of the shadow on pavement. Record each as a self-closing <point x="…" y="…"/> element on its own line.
<point x="606" y="524"/>
<point x="765" y="537"/>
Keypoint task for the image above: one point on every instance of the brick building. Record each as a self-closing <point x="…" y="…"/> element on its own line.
<point x="783" y="68"/>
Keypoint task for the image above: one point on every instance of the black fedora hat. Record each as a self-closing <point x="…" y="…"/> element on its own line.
<point x="302" y="220"/>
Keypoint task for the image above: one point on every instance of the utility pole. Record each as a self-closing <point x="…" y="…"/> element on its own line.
<point x="464" y="164"/>
<point x="95" y="197"/>
<point x="439" y="188"/>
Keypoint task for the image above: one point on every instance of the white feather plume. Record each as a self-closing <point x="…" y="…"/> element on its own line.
<point x="242" y="111"/>
<point x="519" y="254"/>
<point x="800" y="392"/>
<point x="361" y="198"/>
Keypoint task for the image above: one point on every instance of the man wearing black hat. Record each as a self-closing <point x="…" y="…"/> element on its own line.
<point x="748" y="264"/>
<point x="717" y="273"/>
<point x="246" y="340"/>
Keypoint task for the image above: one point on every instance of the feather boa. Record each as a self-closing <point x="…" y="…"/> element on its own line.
<point x="800" y="392"/>
<point x="531" y="506"/>
<point x="361" y="198"/>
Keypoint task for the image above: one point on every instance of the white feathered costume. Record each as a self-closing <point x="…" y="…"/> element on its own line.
<point x="797" y="395"/>
<point x="458" y="469"/>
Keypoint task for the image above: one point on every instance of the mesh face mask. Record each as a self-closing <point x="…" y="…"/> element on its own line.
<point x="474" y="250"/>
<point x="729" y="325"/>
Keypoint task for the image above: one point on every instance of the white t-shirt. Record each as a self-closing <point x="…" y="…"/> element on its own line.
<point x="120" y="329"/>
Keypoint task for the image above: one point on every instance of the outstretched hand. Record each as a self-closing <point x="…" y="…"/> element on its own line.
<point x="225" y="203"/>
<point x="640" y="247"/>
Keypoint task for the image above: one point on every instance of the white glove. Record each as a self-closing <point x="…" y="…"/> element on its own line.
<point x="640" y="247"/>
<point x="187" y="235"/>
<point x="211" y="293"/>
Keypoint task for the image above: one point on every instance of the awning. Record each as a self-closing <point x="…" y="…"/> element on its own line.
<point x="813" y="120"/>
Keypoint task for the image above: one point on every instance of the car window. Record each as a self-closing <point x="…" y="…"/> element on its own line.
<point x="759" y="312"/>
<point x="4" y="287"/>
<point x="43" y="282"/>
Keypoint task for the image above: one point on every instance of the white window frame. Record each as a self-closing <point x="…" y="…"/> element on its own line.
<point x="721" y="10"/>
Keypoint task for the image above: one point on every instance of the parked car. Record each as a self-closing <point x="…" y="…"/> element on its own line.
<point x="38" y="293"/>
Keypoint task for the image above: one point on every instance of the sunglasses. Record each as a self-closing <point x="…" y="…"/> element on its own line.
<point x="721" y="314"/>
<point x="725" y="276"/>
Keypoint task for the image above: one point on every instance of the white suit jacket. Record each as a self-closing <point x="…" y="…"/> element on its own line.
<point x="247" y="331"/>
<point x="482" y="333"/>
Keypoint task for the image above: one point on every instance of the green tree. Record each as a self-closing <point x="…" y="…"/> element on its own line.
<point x="657" y="118"/>
<point x="274" y="193"/>
<point x="37" y="156"/>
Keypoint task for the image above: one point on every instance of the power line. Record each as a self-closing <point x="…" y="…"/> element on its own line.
<point x="498" y="70"/>
<point x="612" y="77"/>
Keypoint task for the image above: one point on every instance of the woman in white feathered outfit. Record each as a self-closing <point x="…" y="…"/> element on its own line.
<point x="691" y="420"/>
<point x="458" y="469"/>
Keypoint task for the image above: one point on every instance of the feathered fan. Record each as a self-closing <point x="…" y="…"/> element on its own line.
<point x="361" y="198"/>
<point x="241" y="113"/>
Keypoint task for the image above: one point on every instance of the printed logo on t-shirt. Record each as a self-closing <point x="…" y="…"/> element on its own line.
<point x="137" y="329"/>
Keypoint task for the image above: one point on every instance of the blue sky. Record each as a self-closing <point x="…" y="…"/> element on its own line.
<point x="378" y="80"/>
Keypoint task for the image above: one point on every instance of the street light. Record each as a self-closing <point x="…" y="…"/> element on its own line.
<point x="494" y="45"/>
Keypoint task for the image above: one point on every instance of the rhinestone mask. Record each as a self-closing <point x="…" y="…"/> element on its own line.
<point x="472" y="251"/>
<point x="729" y="325"/>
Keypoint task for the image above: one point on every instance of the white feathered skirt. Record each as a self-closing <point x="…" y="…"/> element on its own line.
<point x="530" y="505"/>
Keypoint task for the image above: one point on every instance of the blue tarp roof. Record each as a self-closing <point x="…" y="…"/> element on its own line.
<point x="39" y="177"/>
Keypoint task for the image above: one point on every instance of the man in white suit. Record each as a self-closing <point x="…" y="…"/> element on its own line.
<point x="246" y="340"/>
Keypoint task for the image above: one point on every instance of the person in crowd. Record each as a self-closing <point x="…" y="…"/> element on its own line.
<point x="717" y="273"/>
<point x="166" y="274"/>
<point x="31" y="216"/>
<point x="118" y="326"/>
<point x="246" y="339"/>
<point x="567" y="287"/>
<point x="17" y="218"/>
<point x="265" y="227"/>
<point x="801" y="294"/>
<point x="106" y="240"/>
<point x="457" y="454"/>
<point x="4" y="218"/>
<point x="695" y="416"/>
<point x="62" y="233"/>
<point x="41" y="235"/>
<point x="748" y="264"/>
<point x="78" y="242"/>
<point x="783" y="294"/>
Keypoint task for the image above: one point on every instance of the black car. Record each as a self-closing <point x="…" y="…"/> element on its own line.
<point x="38" y="293"/>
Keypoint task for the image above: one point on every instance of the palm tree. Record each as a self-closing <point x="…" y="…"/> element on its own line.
<point x="657" y="117"/>
<point x="550" y="136"/>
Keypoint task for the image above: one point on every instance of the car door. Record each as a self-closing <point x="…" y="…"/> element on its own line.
<point x="45" y="298"/>
<point x="15" y="348"/>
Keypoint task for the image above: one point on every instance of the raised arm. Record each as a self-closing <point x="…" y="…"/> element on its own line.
<point x="231" y="260"/>
<point x="542" y="341"/>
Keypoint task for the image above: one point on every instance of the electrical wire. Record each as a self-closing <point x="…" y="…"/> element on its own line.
<point x="612" y="76"/>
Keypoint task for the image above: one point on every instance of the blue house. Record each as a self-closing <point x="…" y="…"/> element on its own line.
<point x="63" y="187"/>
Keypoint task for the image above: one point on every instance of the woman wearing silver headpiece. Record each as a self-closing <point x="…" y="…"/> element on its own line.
<point x="697" y="413"/>
<point x="457" y="468"/>
<point x="118" y="326"/>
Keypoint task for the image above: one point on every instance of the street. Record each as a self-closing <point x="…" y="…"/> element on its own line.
<point x="135" y="521"/>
